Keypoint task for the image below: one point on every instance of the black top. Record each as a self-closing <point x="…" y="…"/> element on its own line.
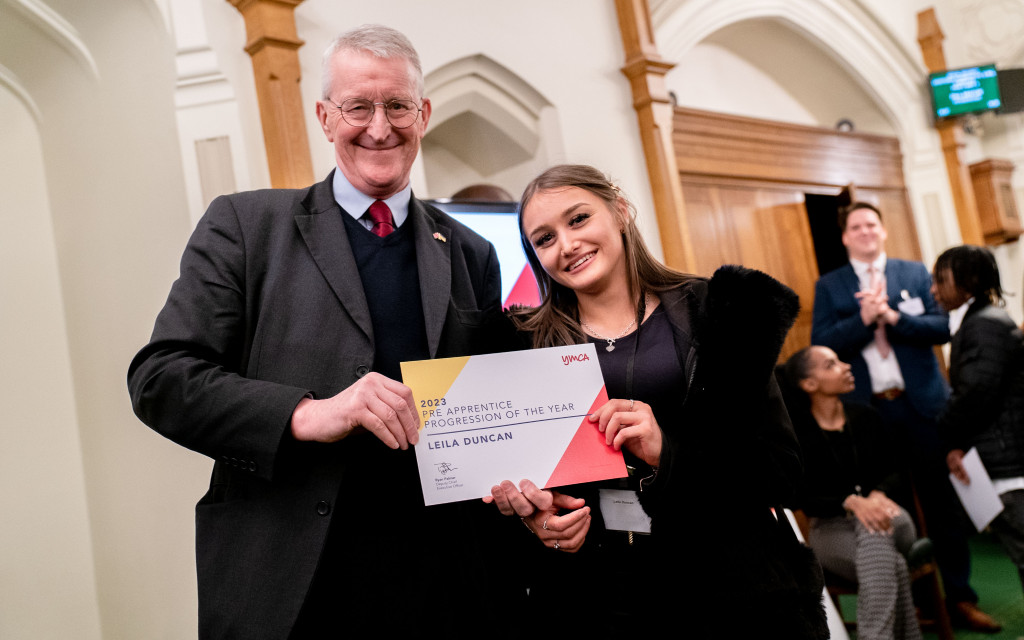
<point x="658" y="378"/>
<point x="657" y="374"/>
<point x="607" y="561"/>
<point x="857" y="460"/>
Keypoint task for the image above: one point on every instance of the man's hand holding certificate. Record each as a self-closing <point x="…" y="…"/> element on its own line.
<point x="521" y="414"/>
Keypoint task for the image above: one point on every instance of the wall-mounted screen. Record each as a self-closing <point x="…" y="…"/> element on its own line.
<point x="497" y="222"/>
<point x="1011" y="90"/>
<point x="968" y="90"/>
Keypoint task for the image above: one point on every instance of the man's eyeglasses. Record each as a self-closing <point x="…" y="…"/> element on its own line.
<point x="358" y="112"/>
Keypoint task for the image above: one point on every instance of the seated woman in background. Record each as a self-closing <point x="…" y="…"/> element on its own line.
<point x="986" y="372"/>
<point x="857" y="531"/>
<point x="687" y="362"/>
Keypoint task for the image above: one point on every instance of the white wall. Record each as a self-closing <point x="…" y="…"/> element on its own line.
<point x="785" y="76"/>
<point x="46" y="555"/>
<point x="93" y="201"/>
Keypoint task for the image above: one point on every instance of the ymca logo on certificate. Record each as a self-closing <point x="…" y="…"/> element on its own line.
<point x="509" y="416"/>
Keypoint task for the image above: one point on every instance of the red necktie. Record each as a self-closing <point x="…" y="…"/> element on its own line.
<point x="381" y="216"/>
<point x="881" y="339"/>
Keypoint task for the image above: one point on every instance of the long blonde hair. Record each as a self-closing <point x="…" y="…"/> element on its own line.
<point x="556" y="320"/>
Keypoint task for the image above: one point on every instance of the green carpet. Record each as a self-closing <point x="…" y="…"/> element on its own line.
<point x="997" y="582"/>
<point x="998" y="585"/>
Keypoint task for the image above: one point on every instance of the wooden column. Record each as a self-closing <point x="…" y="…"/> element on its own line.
<point x="273" y="44"/>
<point x="951" y="134"/>
<point x="646" y="72"/>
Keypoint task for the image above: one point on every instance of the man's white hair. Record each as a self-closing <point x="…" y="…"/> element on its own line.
<point x="375" y="39"/>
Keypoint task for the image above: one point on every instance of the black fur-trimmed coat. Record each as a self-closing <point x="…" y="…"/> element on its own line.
<point x="728" y="459"/>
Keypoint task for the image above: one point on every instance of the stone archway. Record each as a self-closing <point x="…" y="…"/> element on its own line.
<point x="842" y="29"/>
<point x="487" y="125"/>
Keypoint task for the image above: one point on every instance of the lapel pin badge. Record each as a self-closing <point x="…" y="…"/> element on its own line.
<point x="438" y="236"/>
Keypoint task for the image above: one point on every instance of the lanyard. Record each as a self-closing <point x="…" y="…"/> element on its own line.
<point x="640" y="313"/>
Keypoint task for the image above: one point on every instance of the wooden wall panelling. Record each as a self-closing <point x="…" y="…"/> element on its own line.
<point x="997" y="207"/>
<point x="710" y="233"/>
<point x="760" y="228"/>
<point x="785" y="239"/>
<point x="713" y="144"/>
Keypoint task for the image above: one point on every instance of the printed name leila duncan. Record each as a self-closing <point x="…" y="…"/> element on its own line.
<point x="447" y="480"/>
<point x="470" y="440"/>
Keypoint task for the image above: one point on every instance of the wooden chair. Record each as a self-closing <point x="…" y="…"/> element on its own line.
<point x="929" y="571"/>
<point x="835" y="585"/>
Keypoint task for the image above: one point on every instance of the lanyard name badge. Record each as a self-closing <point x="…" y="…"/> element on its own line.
<point x="620" y="508"/>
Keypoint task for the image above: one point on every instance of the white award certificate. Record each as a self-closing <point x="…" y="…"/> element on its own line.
<point x="509" y="416"/>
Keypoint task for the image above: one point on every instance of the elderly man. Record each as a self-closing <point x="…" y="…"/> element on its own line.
<point x="878" y="314"/>
<point x="277" y="354"/>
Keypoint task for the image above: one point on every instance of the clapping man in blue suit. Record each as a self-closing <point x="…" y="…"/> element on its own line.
<point x="878" y="314"/>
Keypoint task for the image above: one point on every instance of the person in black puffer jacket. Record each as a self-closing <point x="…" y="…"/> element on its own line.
<point x="986" y="408"/>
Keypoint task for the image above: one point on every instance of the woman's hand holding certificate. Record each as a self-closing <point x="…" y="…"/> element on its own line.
<point x="631" y="424"/>
<point x="539" y="509"/>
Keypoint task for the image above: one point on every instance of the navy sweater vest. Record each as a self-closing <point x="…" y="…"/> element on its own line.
<point x="390" y="277"/>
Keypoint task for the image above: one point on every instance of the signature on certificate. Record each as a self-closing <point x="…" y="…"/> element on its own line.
<point x="444" y="468"/>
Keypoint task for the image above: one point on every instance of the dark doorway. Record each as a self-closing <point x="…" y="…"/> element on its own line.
<point x="822" y="212"/>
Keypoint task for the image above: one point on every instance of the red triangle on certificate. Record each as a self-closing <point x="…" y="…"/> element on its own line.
<point x="588" y="458"/>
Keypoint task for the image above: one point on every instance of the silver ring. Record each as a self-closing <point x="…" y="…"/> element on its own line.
<point x="556" y="547"/>
<point x="631" y="404"/>
<point x="545" y="525"/>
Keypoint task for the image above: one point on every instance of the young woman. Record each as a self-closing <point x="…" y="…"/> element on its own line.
<point x="688" y="364"/>
<point x="986" y="372"/>
<point x="850" y="472"/>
